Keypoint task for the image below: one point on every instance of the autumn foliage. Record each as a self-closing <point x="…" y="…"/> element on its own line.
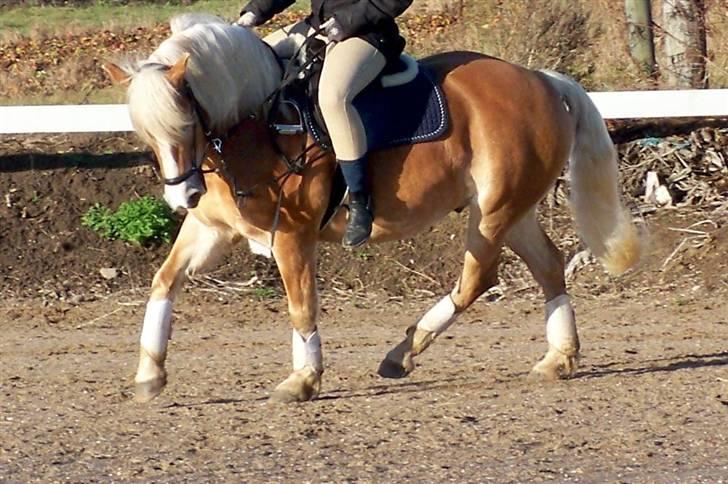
<point x="586" y="39"/>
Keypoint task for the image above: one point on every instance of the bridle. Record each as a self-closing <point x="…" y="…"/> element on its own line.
<point x="294" y="166"/>
<point x="216" y="143"/>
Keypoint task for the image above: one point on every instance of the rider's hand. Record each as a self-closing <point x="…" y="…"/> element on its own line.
<point x="247" y="19"/>
<point x="333" y="30"/>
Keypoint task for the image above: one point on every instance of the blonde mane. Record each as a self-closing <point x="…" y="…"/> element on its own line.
<point x="230" y="71"/>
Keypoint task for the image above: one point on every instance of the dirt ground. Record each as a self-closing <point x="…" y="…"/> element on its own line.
<point x="649" y="403"/>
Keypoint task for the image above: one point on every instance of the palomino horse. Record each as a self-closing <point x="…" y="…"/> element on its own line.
<point x="512" y="131"/>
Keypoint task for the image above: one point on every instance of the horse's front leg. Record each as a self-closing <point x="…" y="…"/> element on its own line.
<point x="295" y="255"/>
<point x="196" y="247"/>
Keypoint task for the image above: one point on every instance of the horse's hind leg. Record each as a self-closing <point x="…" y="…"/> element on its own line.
<point x="196" y="246"/>
<point x="480" y="272"/>
<point x="530" y="242"/>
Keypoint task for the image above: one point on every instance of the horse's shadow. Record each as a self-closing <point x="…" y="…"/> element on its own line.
<point x="683" y="362"/>
<point x="661" y="365"/>
<point x="400" y="388"/>
<point x="215" y="401"/>
<point x="342" y="394"/>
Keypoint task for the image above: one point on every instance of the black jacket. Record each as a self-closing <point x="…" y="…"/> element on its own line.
<point x="372" y="20"/>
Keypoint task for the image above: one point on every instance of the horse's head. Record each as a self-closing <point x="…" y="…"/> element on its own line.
<point x="171" y="119"/>
<point x="164" y="116"/>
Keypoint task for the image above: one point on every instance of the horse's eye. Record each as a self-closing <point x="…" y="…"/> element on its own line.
<point x="189" y="131"/>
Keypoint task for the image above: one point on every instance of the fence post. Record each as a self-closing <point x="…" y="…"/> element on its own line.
<point x="641" y="43"/>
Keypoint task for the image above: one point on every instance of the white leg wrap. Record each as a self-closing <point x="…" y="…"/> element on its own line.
<point x="157" y="327"/>
<point x="439" y="317"/>
<point x="561" y="324"/>
<point x="307" y="351"/>
<point x="259" y="249"/>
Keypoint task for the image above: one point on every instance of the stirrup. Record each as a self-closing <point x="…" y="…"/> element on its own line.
<point x="291" y="129"/>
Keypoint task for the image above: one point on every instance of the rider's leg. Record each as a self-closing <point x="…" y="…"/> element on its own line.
<point x="349" y="67"/>
<point x="287" y="41"/>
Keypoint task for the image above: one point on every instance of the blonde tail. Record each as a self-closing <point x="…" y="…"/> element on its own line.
<point x="602" y="220"/>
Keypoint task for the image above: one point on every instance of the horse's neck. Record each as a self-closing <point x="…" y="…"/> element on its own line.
<point x="251" y="153"/>
<point x="259" y="157"/>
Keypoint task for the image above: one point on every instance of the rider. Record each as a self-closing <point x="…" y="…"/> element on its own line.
<point x="363" y="37"/>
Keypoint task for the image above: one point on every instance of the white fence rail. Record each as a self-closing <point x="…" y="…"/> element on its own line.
<point x="662" y="104"/>
<point x="102" y="118"/>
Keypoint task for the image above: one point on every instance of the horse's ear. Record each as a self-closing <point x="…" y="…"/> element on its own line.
<point x="176" y="73"/>
<point x="117" y="74"/>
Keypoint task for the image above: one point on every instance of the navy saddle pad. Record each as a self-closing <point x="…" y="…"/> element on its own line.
<point x="415" y="112"/>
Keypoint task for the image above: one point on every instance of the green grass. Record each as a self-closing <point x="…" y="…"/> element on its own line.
<point x="141" y="222"/>
<point x="25" y="20"/>
<point x="264" y="292"/>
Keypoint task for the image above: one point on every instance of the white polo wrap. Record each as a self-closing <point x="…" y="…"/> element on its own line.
<point x="157" y="327"/>
<point x="307" y="351"/>
<point x="439" y="317"/>
<point x="561" y="323"/>
<point x="259" y="249"/>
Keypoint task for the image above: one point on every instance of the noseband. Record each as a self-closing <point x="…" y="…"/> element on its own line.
<point x="217" y="146"/>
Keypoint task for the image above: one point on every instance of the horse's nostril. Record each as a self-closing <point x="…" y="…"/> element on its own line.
<point x="194" y="200"/>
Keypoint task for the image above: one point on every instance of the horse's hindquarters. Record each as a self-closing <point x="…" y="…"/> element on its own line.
<point x="509" y="137"/>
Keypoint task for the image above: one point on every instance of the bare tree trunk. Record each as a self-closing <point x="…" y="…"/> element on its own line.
<point x="685" y="46"/>
<point x="641" y="43"/>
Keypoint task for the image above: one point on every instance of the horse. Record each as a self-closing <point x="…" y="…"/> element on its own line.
<point x="512" y="132"/>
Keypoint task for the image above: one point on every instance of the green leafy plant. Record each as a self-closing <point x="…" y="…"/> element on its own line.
<point x="141" y="222"/>
<point x="265" y="292"/>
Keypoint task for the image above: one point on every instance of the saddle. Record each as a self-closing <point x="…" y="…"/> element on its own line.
<point x="403" y="106"/>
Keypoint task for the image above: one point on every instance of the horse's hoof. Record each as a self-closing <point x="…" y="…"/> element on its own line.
<point x="301" y="386"/>
<point x="281" y="395"/>
<point x="538" y="375"/>
<point x="147" y="390"/>
<point x="555" y="366"/>
<point x="393" y="369"/>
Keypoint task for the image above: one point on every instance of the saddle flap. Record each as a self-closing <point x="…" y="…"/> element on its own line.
<point x="415" y="112"/>
<point x="410" y="113"/>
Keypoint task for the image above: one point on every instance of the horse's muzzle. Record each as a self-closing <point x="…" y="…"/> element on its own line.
<point x="187" y="194"/>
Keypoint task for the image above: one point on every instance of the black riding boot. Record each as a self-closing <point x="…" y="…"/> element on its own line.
<point x="359" y="223"/>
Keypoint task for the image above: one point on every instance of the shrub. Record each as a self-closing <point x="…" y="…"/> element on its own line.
<point x="141" y="222"/>
<point x="539" y="34"/>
